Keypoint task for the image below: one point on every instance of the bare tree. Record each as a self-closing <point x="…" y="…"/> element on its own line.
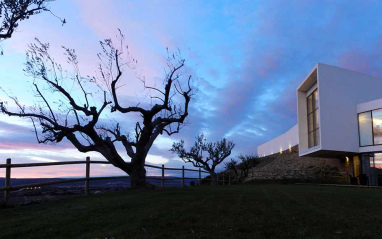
<point x="59" y="113"/>
<point x="232" y="165"/>
<point x="12" y="12"/>
<point x="241" y="169"/>
<point x="204" y="155"/>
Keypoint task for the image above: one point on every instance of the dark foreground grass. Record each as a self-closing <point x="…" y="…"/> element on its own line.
<point x="246" y="211"/>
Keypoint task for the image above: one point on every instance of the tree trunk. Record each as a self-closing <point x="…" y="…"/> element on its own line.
<point x="138" y="176"/>
<point x="214" y="178"/>
<point x="236" y="176"/>
<point x="135" y="169"/>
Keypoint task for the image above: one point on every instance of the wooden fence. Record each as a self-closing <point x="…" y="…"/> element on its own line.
<point x="8" y="166"/>
<point x="225" y="178"/>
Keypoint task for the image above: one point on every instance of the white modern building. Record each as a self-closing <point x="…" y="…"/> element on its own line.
<point x="339" y="115"/>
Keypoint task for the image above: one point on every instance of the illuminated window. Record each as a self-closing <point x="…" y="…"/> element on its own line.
<point x="377" y="161"/>
<point x="365" y="129"/>
<point x="313" y="120"/>
<point x="370" y="128"/>
<point x="377" y="126"/>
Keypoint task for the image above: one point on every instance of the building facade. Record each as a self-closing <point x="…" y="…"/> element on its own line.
<point x="340" y="116"/>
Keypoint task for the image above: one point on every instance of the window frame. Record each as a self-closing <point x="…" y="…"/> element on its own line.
<point x="372" y="128"/>
<point x="314" y="112"/>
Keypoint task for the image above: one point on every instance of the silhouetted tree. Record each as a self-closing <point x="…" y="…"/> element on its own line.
<point x="204" y="155"/>
<point x="12" y="12"/>
<point x="232" y="165"/>
<point x="59" y="114"/>
<point x="246" y="162"/>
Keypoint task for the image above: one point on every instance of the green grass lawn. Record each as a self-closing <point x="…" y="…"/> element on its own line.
<point x="245" y="211"/>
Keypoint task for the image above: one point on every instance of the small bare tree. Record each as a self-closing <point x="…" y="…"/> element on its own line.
<point x="232" y="165"/>
<point x="241" y="169"/>
<point x="205" y="155"/>
<point x="59" y="113"/>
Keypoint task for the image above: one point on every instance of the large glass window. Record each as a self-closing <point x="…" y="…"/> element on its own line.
<point x="377" y="126"/>
<point x="377" y="161"/>
<point x="313" y="120"/>
<point x="375" y="175"/>
<point x="370" y="128"/>
<point x="365" y="129"/>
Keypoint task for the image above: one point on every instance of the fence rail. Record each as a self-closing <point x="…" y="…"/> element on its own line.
<point x="8" y="166"/>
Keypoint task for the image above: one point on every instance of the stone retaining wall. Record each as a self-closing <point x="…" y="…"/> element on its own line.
<point x="291" y="166"/>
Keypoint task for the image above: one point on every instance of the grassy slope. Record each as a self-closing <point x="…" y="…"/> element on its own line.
<point x="246" y="211"/>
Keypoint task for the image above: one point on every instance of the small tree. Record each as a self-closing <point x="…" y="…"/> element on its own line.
<point x="204" y="155"/>
<point x="247" y="162"/>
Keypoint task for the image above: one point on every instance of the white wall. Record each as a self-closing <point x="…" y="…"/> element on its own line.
<point x="281" y="143"/>
<point x="340" y="91"/>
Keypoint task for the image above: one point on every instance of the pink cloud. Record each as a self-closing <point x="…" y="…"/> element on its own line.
<point x="368" y="62"/>
<point x="355" y="60"/>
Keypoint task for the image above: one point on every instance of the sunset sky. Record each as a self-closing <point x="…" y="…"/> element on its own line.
<point x="249" y="56"/>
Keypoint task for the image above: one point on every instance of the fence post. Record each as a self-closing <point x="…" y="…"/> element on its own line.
<point x="200" y="177"/>
<point x="87" y="185"/>
<point x="7" y="181"/>
<point x="223" y="178"/>
<point x="252" y="173"/>
<point x="183" y="176"/>
<point x="162" y="175"/>
<point x="229" y="179"/>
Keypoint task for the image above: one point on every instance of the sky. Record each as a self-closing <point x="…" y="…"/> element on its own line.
<point x="248" y="56"/>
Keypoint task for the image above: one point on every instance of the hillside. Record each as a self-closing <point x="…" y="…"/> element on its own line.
<point x="291" y="166"/>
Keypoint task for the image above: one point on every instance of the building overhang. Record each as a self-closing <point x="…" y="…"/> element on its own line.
<point x="370" y="149"/>
<point x="309" y="151"/>
<point x="329" y="154"/>
<point x="370" y="105"/>
<point x="309" y="80"/>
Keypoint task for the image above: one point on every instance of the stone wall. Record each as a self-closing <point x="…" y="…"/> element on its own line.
<point x="291" y="166"/>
